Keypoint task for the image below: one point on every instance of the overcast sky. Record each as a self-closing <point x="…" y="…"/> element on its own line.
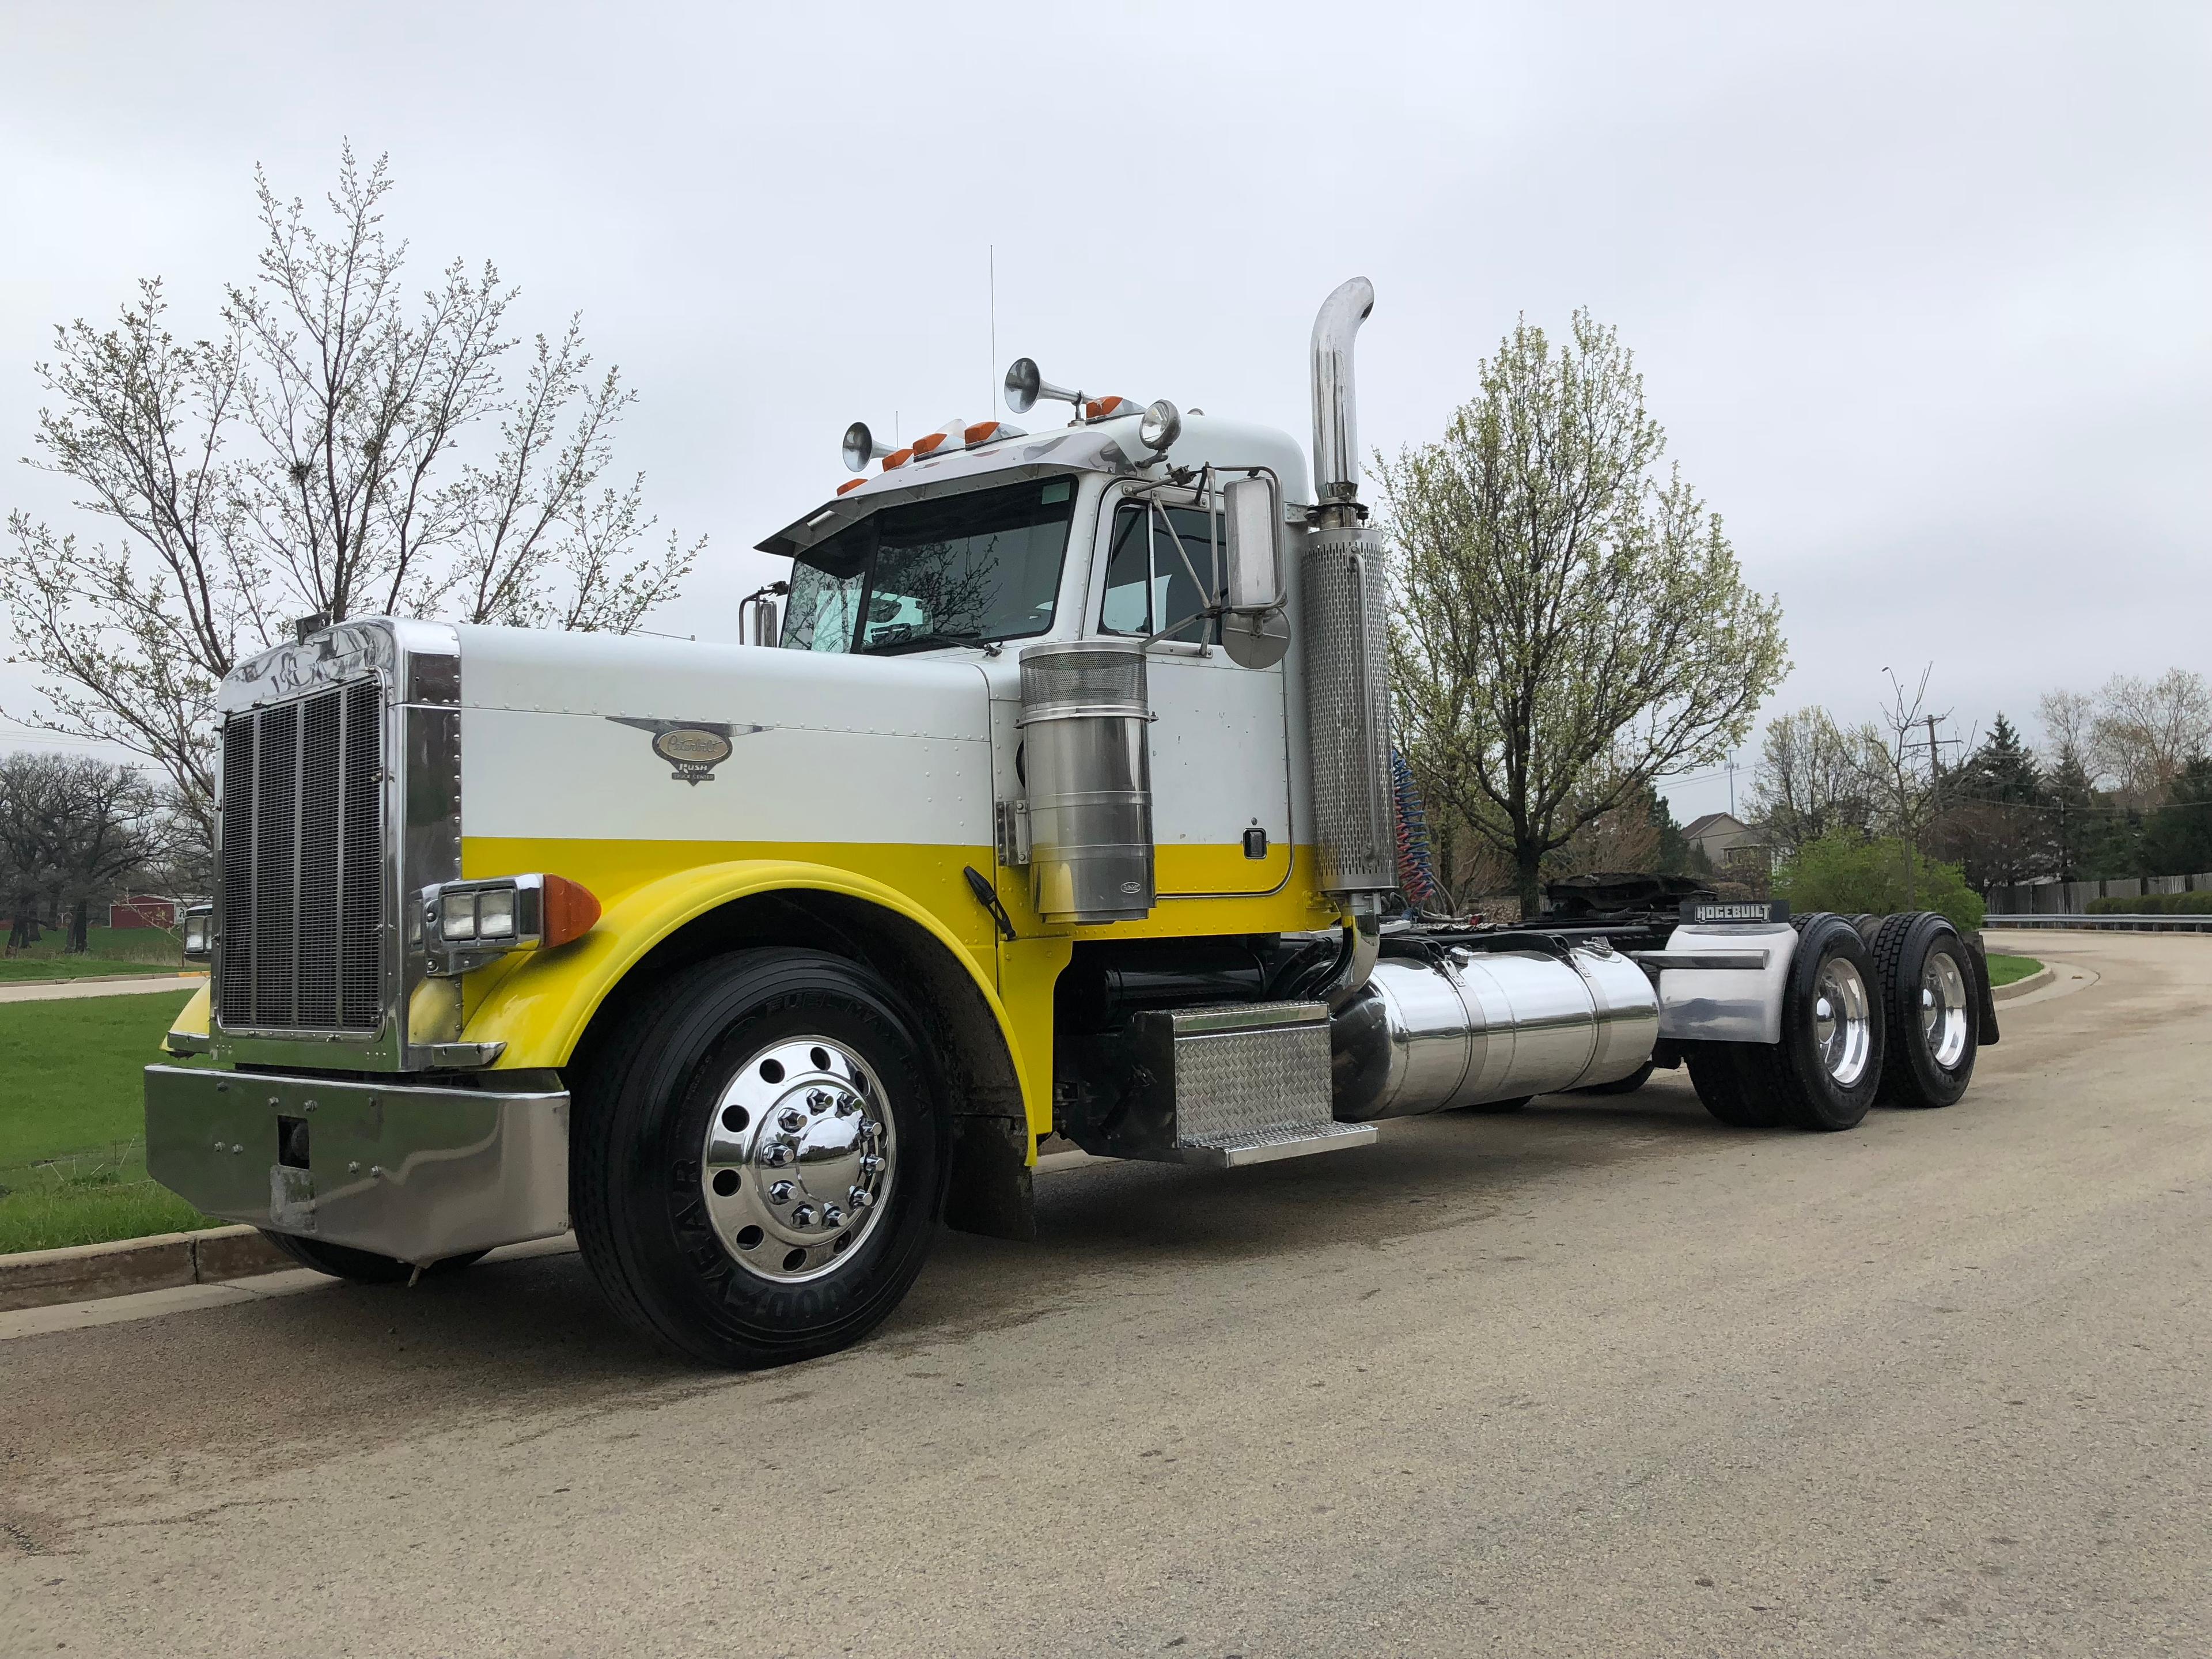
<point x="1920" y="293"/>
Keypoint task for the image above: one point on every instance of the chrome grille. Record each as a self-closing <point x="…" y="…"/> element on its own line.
<point x="302" y="857"/>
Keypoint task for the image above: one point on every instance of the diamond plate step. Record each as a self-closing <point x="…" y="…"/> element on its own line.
<point x="1266" y="1146"/>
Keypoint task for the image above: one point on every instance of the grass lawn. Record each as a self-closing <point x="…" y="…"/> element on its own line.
<point x="14" y="970"/>
<point x="108" y="951"/>
<point x="2003" y="971"/>
<point x="73" y="1122"/>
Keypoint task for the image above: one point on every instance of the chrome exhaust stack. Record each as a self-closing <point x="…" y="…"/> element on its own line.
<point x="1335" y="421"/>
<point x="1345" y="615"/>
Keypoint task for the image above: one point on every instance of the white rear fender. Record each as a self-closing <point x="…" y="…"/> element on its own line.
<point x="1704" y="1001"/>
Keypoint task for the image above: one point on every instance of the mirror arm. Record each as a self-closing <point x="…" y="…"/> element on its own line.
<point x="1205" y="647"/>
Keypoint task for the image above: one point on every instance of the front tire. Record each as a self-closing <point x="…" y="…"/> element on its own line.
<point x="1929" y="981"/>
<point x="758" y="1157"/>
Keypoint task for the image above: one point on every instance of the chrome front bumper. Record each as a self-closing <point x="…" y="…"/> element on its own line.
<point x="417" y="1173"/>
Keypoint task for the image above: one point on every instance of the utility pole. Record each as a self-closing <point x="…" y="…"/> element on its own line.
<point x="1731" y="766"/>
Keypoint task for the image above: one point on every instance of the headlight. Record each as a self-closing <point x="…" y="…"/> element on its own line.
<point x="466" y="924"/>
<point x="199" y="934"/>
<point x="495" y="914"/>
<point x="457" y="917"/>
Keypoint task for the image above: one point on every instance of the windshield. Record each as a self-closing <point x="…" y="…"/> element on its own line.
<point x="966" y="569"/>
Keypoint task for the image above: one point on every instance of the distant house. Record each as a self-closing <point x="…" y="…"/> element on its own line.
<point x="1728" y="844"/>
<point x="143" y="910"/>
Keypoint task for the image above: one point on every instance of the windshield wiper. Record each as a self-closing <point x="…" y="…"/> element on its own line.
<point x="919" y="642"/>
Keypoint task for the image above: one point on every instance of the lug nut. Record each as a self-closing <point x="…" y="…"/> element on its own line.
<point x="847" y="1105"/>
<point x="780" y="1193"/>
<point x="803" y="1216"/>
<point x="832" y="1216"/>
<point x="776" y="1157"/>
<point x="817" y="1101"/>
<point x="861" y="1198"/>
<point x="791" y="1120"/>
<point x="871" y="1164"/>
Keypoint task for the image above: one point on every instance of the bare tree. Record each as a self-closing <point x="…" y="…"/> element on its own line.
<point x="1570" y="623"/>
<point x="311" y="460"/>
<point x="74" y="832"/>
<point x="2069" y="720"/>
<point x="1907" y="792"/>
<point x="2146" y="731"/>
<point x="2135" y="734"/>
<point x="1812" y="778"/>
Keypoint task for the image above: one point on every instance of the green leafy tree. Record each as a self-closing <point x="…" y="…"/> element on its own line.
<point x="1571" y="624"/>
<point x="2087" y="832"/>
<point x="2177" y="837"/>
<point x="1996" y="817"/>
<point x="1671" y="856"/>
<point x="1847" y="871"/>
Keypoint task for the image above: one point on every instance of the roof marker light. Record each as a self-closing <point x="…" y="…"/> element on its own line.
<point x="850" y="483"/>
<point x="947" y="438"/>
<point x="897" y="458"/>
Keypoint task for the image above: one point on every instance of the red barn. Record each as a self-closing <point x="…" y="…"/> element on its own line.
<point x="142" y="910"/>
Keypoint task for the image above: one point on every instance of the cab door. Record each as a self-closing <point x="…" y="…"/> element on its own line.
<point x="1220" y="754"/>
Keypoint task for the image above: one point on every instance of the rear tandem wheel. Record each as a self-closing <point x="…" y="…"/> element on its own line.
<point x="1827" y="1068"/>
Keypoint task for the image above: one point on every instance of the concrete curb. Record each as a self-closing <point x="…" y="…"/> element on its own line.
<point x="85" y="1273"/>
<point x="2021" y="987"/>
<point x="88" y="1272"/>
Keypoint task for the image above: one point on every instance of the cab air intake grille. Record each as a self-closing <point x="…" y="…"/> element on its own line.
<point x="302" y="860"/>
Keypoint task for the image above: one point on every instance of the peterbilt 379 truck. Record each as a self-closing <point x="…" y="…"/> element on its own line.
<point x="1062" y="801"/>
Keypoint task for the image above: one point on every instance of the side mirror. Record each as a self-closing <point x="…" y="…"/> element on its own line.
<point x="1253" y="522"/>
<point x="1255" y="634"/>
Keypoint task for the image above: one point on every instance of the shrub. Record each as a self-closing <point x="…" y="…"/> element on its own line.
<point x="1845" y="871"/>
<point x="2154" y="904"/>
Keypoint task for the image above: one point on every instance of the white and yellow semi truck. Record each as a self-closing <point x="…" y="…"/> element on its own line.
<point x="1061" y="803"/>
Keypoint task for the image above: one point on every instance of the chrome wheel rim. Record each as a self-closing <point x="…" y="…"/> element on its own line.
<point x="1843" y="1028"/>
<point x="1943" y="1009"/>
<point x="799" y="1158"/>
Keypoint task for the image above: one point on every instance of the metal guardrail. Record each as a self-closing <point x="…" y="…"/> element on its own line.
<point x="2107" y="923"/>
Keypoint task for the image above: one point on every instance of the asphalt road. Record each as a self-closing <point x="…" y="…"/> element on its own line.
<point x="1605" y="1378"/>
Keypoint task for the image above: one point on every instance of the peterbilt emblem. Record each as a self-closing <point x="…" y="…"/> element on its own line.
<point x="693" y="748"/>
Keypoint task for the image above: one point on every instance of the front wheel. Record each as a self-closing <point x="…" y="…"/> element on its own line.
<point x="758" y="1157"/>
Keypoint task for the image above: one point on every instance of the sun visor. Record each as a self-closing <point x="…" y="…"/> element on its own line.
<point x="1084" y="449"/>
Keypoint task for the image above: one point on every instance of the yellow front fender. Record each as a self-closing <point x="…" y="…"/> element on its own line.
<point x="539" y="1006"/>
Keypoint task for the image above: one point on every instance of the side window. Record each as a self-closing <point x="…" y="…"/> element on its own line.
<point x="822" y="609"/>
<point x="1148" y="586"/>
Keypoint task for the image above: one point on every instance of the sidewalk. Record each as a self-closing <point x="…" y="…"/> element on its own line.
<point x="60" y="989"/>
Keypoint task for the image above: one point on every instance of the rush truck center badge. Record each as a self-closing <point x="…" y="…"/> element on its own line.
<point x="693" y="748"/>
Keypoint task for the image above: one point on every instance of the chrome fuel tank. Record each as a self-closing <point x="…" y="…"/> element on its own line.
<point x="1473" y="1027"/>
